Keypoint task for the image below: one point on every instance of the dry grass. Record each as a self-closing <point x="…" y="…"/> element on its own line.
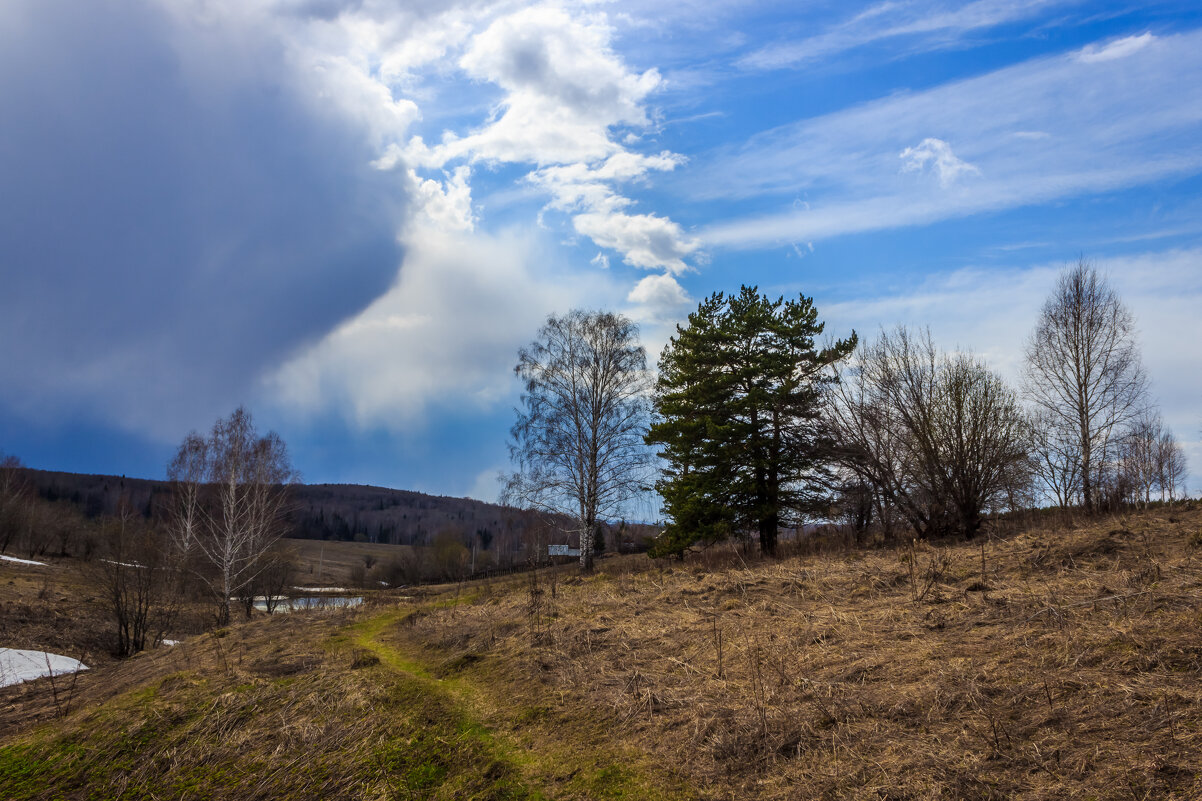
<point x="281" y="708"/>
<point x="301" y="706"/>
<point x="1068" y="667"/>
<point x="53" y="609"/>
<point x="60" y="608"/>
<point x="329" y="564"/>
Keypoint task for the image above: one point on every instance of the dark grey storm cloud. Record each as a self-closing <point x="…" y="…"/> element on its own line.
<point x="178" y="212"/>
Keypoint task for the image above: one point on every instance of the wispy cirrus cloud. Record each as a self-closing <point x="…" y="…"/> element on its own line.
<point x="1119" y="48"/>
<point x="1039" y="131"/>
<point x="924" y="24"/>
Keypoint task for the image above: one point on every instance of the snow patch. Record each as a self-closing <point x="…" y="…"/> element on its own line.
<point x="124" y="564"/>
<point x="17" y="666"/>
<point x="22" y="561"/>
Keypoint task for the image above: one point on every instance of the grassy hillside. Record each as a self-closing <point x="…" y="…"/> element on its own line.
<point x="1056" y="663"/>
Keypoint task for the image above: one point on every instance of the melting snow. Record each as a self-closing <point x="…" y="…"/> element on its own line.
<point x="22" y="561"/>
<point x="124" y="564"/>
<point x="17" y="666"/>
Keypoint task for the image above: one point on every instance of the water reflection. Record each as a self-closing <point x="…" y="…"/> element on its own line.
<point x="308" y="602"/>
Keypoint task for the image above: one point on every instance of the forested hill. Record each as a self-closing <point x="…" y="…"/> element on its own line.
<point x="318" y="511"/>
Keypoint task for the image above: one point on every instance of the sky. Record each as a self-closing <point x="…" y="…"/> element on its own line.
<point x="349" y="215"/>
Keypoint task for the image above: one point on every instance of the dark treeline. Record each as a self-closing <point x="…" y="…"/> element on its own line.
<point x="340" y="512"/>
<point x="331" y="512"/>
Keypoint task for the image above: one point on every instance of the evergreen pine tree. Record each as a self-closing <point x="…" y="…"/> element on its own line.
<point x="737" y="409"/>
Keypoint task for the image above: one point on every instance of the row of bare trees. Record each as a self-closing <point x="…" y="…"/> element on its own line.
<point x="31" y="527"/>
<point x="1149" y="464"/>
<point x="930" y="442"/>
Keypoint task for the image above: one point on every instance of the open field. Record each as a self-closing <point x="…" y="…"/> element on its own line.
<point x="1055" y="663"/>
<point x="329" y="564"/>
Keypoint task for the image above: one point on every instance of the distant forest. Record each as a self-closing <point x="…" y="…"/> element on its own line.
<point x="349" y="512"/>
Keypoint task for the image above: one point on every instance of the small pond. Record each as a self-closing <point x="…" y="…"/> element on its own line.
<point x="309" y="602"/>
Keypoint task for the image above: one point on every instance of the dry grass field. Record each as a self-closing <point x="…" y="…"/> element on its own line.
<point x="330" y="564"/>
<point x="1060" y="662"/>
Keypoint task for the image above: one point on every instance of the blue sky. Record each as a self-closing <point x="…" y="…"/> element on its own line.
<point x="349" y="214"/>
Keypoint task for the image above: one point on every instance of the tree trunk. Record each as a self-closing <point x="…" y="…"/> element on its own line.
<point x="587" y="535"/>
<point x="769" y="528"/>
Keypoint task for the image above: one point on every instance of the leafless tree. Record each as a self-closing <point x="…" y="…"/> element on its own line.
<point x="1138" y="456"/>
<point x="1057" y="462"/>
<point x="188" y="473"/>
<point x="133" y="576"/>
<point x="234" y="517"/>
<point x="938" y="438"/>
<point x="1171" y="466"/>
<point x="578" y="443"/>
<point x="1083" y="370"/>
<point x="13" y="500"/>
<point x="1149" y="462"/>
<point x="871" y="447"/>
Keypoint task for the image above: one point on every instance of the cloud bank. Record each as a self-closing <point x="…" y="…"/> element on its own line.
<point x="181" y="210"/>
<point x="200" y="192"/>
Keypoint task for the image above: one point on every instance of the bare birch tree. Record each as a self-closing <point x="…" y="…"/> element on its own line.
<point x="1138" y="458"/>
<point x="1150" y="462"/>
<point x="1083" y="369"/>
<point x="578" y="442"/>
<point x="188" y="472"/>
<point x="1171" y="466"/>
<point x="231" y="492"/>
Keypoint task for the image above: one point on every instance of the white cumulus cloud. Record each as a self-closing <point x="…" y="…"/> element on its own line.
<point x="661" y="294"/>
<point x="570" y="108"/>
<point x="937" y="155"/>
<point x="645" y="240"/>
